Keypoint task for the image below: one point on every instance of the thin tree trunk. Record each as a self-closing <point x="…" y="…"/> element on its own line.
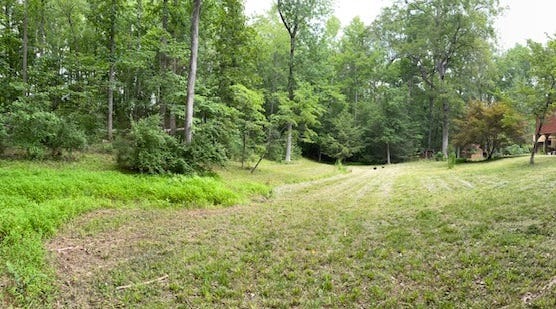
<point x="172" y="123"/>
<point x="536" y="142"/>
<point x="291" y="96"/>
<point x="289" y="143"/>
<point x="431" y="123"/>
<point x="243" y="149"/>
<point x="111" y="73"/>
<point x="172" y="107"/>
<point x="192" y="70"/>
<point x="25" y="43"/>
<point x="163" y="64"/>
<point x="388" y="153"/>
<point x="42" y="32"/>
<point x="355" y="104"/>
<point x="445" y="127"/>
<point x="111" y="80"/>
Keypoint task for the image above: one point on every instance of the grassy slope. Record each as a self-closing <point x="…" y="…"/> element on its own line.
<point x="417" y="234"/>
<point x="36" y="198"/>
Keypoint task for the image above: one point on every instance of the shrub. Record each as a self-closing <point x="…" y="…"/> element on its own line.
<point x="439" y="156"/>
<point x="514" y="149"/>
<point x="207" y="149"/>
<point x="31" y="130"/>
<point x="37" y="131"/>
<point x="452" y="160"/>
<point x="148" y="149"/>
<point x="67" y="137"/>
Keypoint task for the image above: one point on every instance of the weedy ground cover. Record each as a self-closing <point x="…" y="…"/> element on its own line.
<point x="415" y="234"/>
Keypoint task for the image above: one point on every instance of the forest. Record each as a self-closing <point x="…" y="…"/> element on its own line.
<point x="178" y="86"/>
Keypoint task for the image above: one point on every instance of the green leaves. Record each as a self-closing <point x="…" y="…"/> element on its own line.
<point x="492" y="126"/>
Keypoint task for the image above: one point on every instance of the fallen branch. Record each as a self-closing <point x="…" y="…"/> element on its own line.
<point x="68" y="248"/>
<point x="123" y="287"/>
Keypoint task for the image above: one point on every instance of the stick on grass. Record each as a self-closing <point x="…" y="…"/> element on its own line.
<point x="123" y="287"/>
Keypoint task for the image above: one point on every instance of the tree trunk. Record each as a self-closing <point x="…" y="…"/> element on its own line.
<point x="445" y="127"/>
<point x="535" y="149"/>
<point x="161" y="106"/>
<point x="289" y="143"/>
<point x="291" y="96"/>
<point x="431" y="122"/>
<point x="243" y="149"/>
<point x="111" y="80"/>
<point x="388" y="154"/>
<point x="163" y="65"/>
<point x="111" y="72"/>
<point x="25" y="43"/>
<point x="172" y="123"/>
<point x="192" y="70"/>
<point x="42" y="33"/>
<point x="536" y="142"/>
<point x="355" y="105"/>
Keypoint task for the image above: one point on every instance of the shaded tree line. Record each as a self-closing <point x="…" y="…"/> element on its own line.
<point x="291" y="82"/>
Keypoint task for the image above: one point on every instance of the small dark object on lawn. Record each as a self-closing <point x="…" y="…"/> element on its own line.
<point x="374" y="168"/>
<point x="383" y="166"/>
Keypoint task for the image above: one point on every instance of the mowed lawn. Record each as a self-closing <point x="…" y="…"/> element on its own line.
<point x="408" y="235"/>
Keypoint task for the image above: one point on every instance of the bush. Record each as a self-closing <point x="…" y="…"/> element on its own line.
<point x="31" y="129"/>
<point x="28" y="123"/>
<point x="38" y="131"/>
<point x="513" y="150"/>
<point x="148" y="149"/>
<point x="67" y="137"/>
<point x="439" y="156"/>
<point x="207" y="149"/>
<point x="452" y="160"/>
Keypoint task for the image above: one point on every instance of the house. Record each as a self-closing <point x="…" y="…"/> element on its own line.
<point x="547" y="141"/>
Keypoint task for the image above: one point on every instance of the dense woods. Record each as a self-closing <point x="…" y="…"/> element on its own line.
<point x="179" y="85"/>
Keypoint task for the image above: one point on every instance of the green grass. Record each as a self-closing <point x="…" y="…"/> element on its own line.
<point x="409" y="235"/>
<point x="37" y="198"/>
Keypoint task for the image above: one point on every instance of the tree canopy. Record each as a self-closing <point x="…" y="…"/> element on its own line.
<point x="291" y="82"/>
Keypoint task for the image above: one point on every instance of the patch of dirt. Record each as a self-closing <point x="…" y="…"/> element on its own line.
<point x="79" y="256"/>
<point x="530" y="297"/>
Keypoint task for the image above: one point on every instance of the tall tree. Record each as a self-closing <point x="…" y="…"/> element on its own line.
<point x="296" y="16"/>
<point x="195" y="17"/>
<point x="355" y="61"/>
<point x="539" y="92"/>
<point x="104" y="15"/>
<point x="439" y="37"/>
<point x="250" y="119"/>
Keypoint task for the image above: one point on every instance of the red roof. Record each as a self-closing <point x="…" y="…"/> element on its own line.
<point x="549" y="126"/>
